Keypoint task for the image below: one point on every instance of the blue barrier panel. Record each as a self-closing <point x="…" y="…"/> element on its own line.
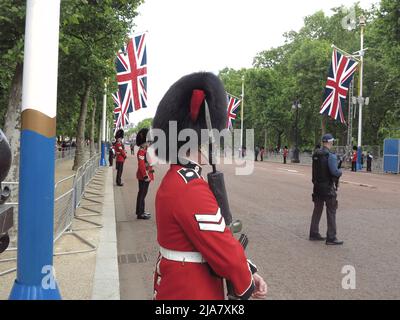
<point x="391" y="156"/>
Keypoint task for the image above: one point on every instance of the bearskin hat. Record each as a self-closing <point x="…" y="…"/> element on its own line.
<point x="141" y="136"/>
<point x="184" y="103"/>
<point x="119" y="134"/>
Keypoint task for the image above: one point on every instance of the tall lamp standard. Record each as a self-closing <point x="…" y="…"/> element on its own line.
<point x="360" y="98"/>
<point x="296" y="105"/>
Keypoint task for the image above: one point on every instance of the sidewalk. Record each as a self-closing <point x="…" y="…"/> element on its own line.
<point x="91" y="272"/>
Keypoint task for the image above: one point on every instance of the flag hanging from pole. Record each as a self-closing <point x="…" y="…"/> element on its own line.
<point x="232" y="109"/>
<point x="131" y="64"/>
<point x="121" y="116"/>
<point x="341" y="73"/>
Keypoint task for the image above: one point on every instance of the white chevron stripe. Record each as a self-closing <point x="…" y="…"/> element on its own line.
<point x="213" y="226"/>
<point x="209" y="217"/>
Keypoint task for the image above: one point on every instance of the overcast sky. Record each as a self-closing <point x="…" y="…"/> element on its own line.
<point x="186" y="36"/>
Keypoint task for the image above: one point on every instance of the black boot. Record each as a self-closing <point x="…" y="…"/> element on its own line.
<point x="334" y="242"/>
<point x="316" y="237"/>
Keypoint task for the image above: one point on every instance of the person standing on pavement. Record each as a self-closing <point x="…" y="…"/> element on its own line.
<point x="262" y="151"/>
<point x="325" y="173"/>
<point x="144" y="174"/>
<point x="285" y="154"/>
<point x="369" y="161"/>
<point x="354" y="160"/>
<point x="111" y="154"/>
<point x="120" y="155"/>
<point x="197" y="249"/>
<point x="132" y="146"/>
<point x="256" y="152"/>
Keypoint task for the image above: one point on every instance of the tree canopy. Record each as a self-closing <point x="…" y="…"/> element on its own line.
<point x="298" y="70"/>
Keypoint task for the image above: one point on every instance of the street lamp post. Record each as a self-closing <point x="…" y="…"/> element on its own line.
<point x="296" y="159"/>
<point x="241" y="117"/>
<point x="360" y="98"/>
<point x="103" y="129"/>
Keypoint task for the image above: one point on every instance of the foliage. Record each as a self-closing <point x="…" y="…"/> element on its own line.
<point x="297" y="70"/>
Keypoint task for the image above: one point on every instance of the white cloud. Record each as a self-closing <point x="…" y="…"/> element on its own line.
<point x="188" y="35"/>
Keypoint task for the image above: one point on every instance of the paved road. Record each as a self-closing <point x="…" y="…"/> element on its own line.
<point x="275" y="206"/>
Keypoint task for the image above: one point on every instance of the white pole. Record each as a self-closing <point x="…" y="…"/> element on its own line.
<point x="241" y="115"/>
<point x="103" y="133"/>
<point x="361" y="102"/>
<point x="38" y="135"/>
<point x="104" y="111"/>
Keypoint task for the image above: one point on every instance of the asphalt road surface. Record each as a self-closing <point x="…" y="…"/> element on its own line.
<point x="274" y="204"/>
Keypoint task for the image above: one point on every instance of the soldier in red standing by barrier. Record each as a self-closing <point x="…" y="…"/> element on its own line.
<point x="144" y="174"/>
<point x="120" y="155"/>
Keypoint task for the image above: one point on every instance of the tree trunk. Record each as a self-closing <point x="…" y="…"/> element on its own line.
<point x="92" y="146"/>
<point x="279" y="140"/>
<point x="80" y="132"/>
<point x="323" y="124"/>
<point x="12" y="126"/>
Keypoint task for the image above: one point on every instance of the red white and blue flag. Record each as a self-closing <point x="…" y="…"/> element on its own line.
<point x="121" y="115"/>
<point x="341" y="73"/>
<point x="131" y="64"/>
<point x="232" y="109"/>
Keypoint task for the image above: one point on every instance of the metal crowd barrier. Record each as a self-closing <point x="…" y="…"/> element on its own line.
<point x="65" y="206"/>
<point x="65" y="153"/>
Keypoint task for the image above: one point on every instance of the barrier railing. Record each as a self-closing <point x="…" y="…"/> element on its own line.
<point x="65" y="205"/>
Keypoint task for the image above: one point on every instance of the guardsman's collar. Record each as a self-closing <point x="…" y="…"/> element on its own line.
<point x="190" y="164"/>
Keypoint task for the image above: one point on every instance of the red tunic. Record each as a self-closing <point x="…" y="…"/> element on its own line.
<point x="189" y="220"/>
<point x="144" y="168"/>
<point x="119" y="152"/>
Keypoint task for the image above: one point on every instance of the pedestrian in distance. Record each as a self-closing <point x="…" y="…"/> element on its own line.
<point x="197" y="248"/>
<point x="369" y="162"/>
<point x="262" y="152"/>
<point x="354" y="160"/>
<point x="144" y="174"/>
<point x="256" y="153"/>
<point x="132" y="146"/>
<point x="325" y="175"/>
<point x="285" y="154"/>
<point x="111" y="153"/>
<point x="120" y="156"/>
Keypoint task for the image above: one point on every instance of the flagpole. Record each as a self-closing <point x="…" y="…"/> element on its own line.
<point x="35" y="272"/>
<point x="360" y="98"/>
<point x="103" y="162"/>
<point x="241" y="117"/>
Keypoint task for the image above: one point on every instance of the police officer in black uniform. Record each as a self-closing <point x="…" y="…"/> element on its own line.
<point x="325" y="175"/>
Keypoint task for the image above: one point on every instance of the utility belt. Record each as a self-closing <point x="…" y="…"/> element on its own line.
<point x="182" y="256"/>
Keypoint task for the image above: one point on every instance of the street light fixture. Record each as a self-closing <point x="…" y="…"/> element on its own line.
<point x="296" y="105"/>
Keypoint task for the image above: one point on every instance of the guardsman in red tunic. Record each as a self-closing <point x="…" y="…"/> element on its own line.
<point x="144" y="174"/>
<point x="197" y="249"/>
<point x="120" y="156"/>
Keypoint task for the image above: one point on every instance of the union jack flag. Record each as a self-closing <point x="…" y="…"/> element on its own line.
<point x="341" y="73"/>
<point x="232" y="109"/>
<point x="121" y="116"/>
<point x="131" y="64"/>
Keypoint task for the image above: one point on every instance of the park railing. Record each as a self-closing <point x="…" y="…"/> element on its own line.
<point x="65" y="153"/>
<point x="68" y="196"/>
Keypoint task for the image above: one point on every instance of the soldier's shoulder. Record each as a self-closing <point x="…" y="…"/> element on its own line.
<point x="188" y="175"/>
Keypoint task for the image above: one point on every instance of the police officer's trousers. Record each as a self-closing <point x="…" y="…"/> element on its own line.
<point x="331" y="206"/>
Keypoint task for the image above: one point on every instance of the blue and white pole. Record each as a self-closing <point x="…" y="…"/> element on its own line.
<point x="103" y="161"/>
<point x="35" y="272"/>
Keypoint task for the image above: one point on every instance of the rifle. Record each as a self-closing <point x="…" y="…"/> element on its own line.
<point x="217" y="185"/>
